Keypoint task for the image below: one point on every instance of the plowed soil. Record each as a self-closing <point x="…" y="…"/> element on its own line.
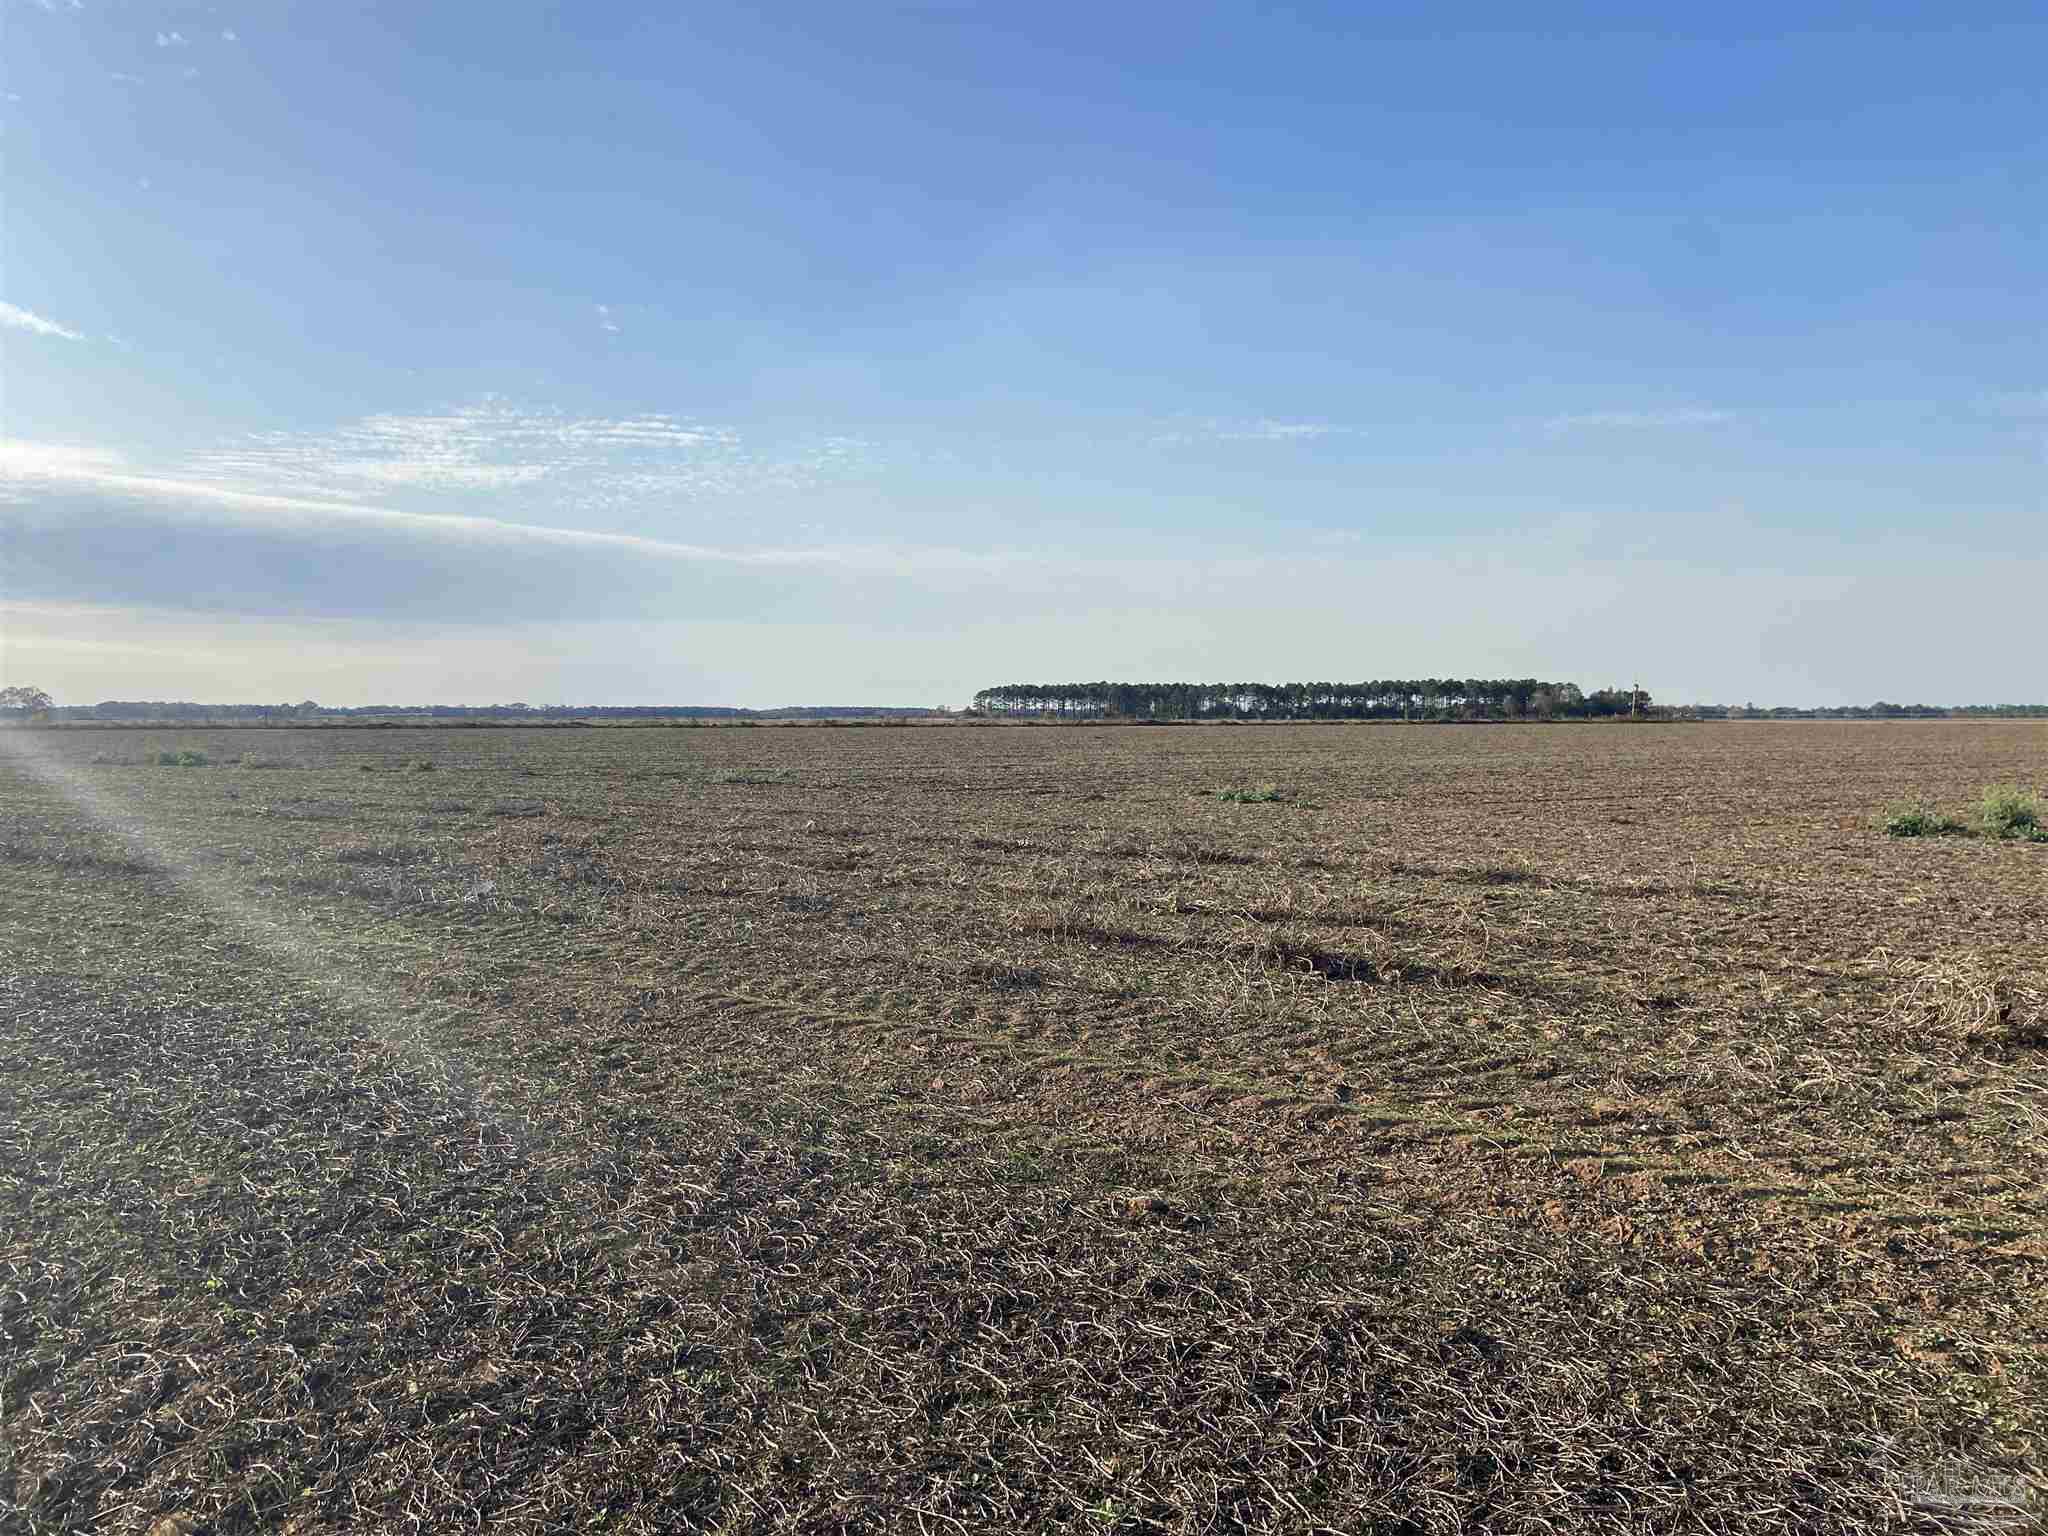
<point x="940" y="1128"/>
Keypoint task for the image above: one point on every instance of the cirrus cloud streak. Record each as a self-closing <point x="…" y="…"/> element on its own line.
<point x="85" y="526"/>
<point x="15" y="318"/>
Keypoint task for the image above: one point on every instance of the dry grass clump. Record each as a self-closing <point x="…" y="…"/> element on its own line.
<point x="20" y="847"/>
<point x="1968" y="997"/>
<point x="1004" y="978"/>
<point x="307" y="808"/>
<point x="385" y="855"/>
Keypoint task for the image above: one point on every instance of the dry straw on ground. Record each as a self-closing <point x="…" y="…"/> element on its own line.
<point x="1972" y="998"/>
<point x="807" y="1131"/>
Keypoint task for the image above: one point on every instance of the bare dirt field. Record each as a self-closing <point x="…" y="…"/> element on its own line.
<point x="1593" y="1128"/>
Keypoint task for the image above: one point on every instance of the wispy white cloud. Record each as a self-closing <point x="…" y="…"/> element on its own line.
<point x="22" y="461"/>
<point x="15" y="318"/>
<point x="491" y="446"/>
<point x="1263" y="429"/>
<point x="227" y="35"/>
<point x="605" y="320"/>
<point x="243" y="507"/>
<point x="26" y="466"/>
<point x="1280" y="432"/>
<point x="1687" y="416"/>
<point x="171" y="40"/>
<point x="589" y="463"/>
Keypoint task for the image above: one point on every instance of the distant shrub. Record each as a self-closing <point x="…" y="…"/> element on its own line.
<point x="2006" y="810"/>
<point x="185" y="759"/>
<point x="1915" y="818"/>
<point x="2002" y="811"/>
<point x="1258" y="794"/>
<point x="420" y="765"/>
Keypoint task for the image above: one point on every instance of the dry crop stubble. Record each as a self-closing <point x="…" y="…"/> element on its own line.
<point x="802" y="1129"/>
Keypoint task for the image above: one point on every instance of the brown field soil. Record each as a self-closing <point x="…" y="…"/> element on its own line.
<point x="814" y="1129"/>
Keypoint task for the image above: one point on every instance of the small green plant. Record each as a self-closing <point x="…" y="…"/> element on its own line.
<point x="1916" y="818"/>
<point x="185" y="759"/>
<point x="1258" y="794"/>
<point x="2006" y="810"/>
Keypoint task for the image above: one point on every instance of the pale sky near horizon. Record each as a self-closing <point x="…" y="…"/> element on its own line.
<point x="769" y="354"/>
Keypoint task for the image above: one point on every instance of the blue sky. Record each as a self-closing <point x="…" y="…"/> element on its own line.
<point x="768" y="354"/>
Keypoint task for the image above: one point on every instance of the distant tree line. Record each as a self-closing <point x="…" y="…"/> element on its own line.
<point x="844" y="712"/>
<point x="1428" y="698"/>
<point x="307" y="709"/>
<point x="171" y="710"/>
<point x="1434" y="698"/>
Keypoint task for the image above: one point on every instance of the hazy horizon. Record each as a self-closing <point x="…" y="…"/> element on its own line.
<point x="611" y="356"/>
